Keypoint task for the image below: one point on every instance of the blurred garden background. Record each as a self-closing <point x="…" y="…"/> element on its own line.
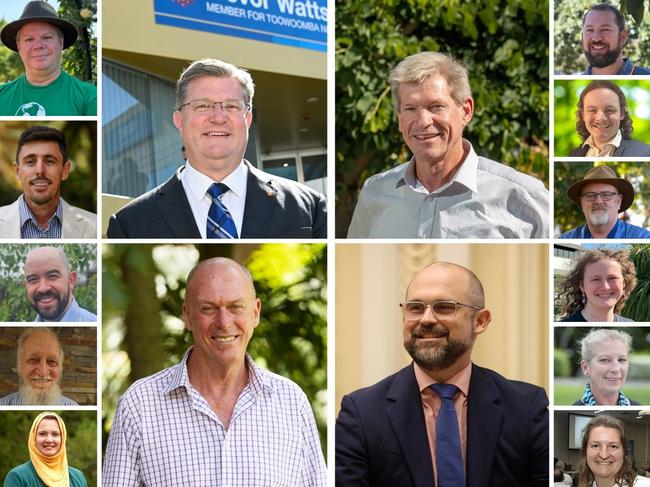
<point x="637" y="305"/>
<point x="568" y="215"/>
<point x="81" y="443"/>
<point x="504" y="45"/>
<point x="79" y="60"/>
<point x="569" y="380"/>
<point x="14" y="305"/>
<point x="80" y="189"/>
<point x="568" y="54"/>
<point x="567" y="94"/>
<point x="143" y="331"/>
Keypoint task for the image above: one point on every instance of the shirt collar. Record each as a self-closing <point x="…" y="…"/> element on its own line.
<point x="258" y="379"/>
<point x="467" y="173"/>
<point x="616" y="141"/>
<point x="69" y="314"/>
<point x="460" y="379"/>
<point x="26" y="214"/>
<point x="627" y="68"/>
<point x="199" y="183"/>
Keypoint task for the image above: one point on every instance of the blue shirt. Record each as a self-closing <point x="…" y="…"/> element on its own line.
<point x="620" y="230"/>
<point x="29" y="227"/>
<point x="16" y="399"/>
<point x="74" y="313"/>
<point x="628" y="68"/>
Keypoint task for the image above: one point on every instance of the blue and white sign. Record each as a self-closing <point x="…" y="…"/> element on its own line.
<point x="298" y="23"/>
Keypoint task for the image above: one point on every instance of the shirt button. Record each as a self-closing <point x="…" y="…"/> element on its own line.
<point x="422" y="235"/>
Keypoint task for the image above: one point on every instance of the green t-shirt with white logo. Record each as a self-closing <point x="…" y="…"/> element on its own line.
<point x="65" y="96"/>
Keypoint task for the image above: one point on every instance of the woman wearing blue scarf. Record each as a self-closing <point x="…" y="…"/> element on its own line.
<point x="605" y="363"/>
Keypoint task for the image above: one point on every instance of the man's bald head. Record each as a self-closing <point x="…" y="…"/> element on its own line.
<point x="50" y="254"/>
<point x="217" y="265"/>
<point x="473" y="286"/>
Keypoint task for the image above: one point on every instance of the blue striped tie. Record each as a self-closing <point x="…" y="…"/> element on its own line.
<point x="449" y="458"/>
<point x="220" y="224"/>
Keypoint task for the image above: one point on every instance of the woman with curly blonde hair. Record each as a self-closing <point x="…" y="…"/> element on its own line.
<point x="596" y="288"/>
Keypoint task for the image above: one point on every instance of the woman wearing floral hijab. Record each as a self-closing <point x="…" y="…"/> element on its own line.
<point x="48" y="464"/>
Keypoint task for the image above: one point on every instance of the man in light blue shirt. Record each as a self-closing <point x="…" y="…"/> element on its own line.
<point x="49" y="283"/>
<point x="602" y="195"/>
<point x="39" y="363"/>
<point x="446" y="190"/>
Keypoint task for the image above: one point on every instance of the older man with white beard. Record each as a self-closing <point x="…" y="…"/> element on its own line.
<point x="602" y="195"/>
<point x="39" y="363"/>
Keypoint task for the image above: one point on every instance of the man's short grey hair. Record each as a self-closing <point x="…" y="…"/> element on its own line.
<point x="218" y="69"/>
<point x="33" y="330"/>
<point x="595" y="337"/>
<point x="418" y="68"/>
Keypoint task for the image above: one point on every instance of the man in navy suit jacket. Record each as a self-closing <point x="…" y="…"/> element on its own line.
<point x="382" y="436"/>
<point x="213" y="115"/>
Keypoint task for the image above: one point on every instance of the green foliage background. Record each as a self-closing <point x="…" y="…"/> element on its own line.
<point x="80" y="189"/>
<point x="568" y="215"/>
<point x="504" y="44"/>
<point x="79" y="60"/>
<point x="14" y="305"/>
<point x="568" y="56"/>
<point x="143" y="293"/>
<point x="81" y="443"/>
<point x="567" y="93"/>
<point x="637" y="306"/>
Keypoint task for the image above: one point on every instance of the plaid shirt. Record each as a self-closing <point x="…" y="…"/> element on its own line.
<point x="164" y="433"/>
<point x="30" y="229"/>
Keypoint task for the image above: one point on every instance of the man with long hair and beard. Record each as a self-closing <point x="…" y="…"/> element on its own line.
<point x="443" y="420"/>
<point x="39" y="363"/>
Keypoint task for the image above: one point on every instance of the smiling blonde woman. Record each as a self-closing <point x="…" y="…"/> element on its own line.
<point x="48" y="463"/>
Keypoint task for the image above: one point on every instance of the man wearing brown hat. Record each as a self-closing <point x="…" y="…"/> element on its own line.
<point x="39" y="36"/>
<point x="602" y="195"/>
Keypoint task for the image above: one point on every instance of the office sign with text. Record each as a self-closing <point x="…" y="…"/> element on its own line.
<point x="298" y="23"/>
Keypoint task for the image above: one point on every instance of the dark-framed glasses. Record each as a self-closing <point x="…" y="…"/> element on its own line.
<point x="604" y="195"/>
<point x="207" y="106"/>
<point x="444" y="309"/>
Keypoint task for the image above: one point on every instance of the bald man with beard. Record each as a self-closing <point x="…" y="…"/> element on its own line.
<point x="443" y="420"/>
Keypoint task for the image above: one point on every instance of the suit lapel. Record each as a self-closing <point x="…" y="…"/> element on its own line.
<point x="175" y="209"/>
<point x="406" y="416"/>
<point x="620" y="150"/>
<point x="261" y="202"/>
<point x="70" y="224"/>
<point x="484" y="416"/>
<point x="10" y="221"/>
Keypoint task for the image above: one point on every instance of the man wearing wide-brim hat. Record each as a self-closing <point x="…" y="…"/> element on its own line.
<point x="39" y="36"/>
<point x="602" y="195"/>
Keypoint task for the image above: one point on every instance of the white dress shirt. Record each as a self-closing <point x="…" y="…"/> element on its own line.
<point x="607" y="150"/>
<point x="196" y="185"/>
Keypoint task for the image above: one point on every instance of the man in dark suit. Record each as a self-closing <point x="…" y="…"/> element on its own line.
<point x="218" y="194"/>
<point x="604" y="123"/>
<point x="399" y="432"/>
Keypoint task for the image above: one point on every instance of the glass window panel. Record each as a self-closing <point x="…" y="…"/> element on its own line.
<point x="284" y="167"/>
